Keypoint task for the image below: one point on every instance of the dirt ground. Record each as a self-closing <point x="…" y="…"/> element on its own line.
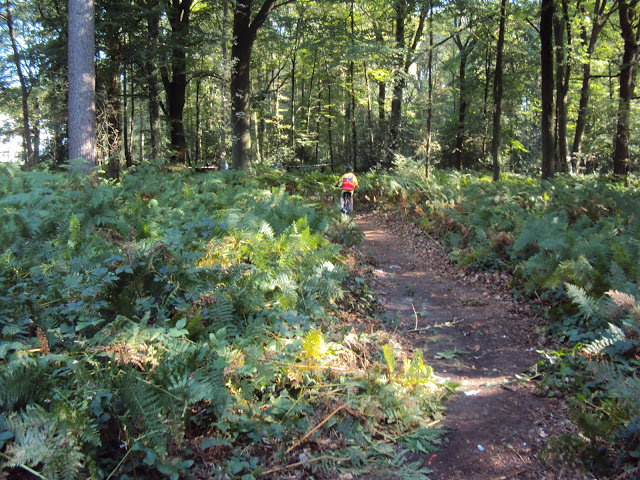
<point x="471" y="331"/>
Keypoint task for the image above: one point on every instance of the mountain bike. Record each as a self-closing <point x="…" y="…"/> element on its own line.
<point x="346" y="203"/>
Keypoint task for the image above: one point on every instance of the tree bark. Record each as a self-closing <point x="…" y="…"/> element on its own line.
<point x="561" y="38"/>
<point x="465" y="47"/>
<point x="398" y="83"/>
<point x="26" y="128"/>
<point x="82" y="113"/>
<point x="245" y="32"/>
<point x="352" y="80"/>
<point x="427" y="167"/>
<point x="153" y="29"/>
<point x="498" y="88"/>
<point x="462" y="109"/>
<point x="292" y="130"/>
<point x="223" y="87"/>
<point x="546" y="66"/>
<point x="175" y="87"/>
<point x="627" y="13"/>
<point x="126" y="141"/>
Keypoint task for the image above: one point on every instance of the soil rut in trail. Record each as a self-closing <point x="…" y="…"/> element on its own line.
<point x="481" y="340"/>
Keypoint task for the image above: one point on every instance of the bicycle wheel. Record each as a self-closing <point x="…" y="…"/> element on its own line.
<point x="346" y="202"/>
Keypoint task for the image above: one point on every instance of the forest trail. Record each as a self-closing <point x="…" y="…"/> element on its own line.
<point x="478" y="338"/>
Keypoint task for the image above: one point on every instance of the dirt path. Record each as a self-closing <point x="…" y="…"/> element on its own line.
<point x="481" y="340"/>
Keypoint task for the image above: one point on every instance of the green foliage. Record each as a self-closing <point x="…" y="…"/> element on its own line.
<point x="139" y="316"/>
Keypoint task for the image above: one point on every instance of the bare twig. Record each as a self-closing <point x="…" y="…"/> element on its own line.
<point x="298" y="464"/>
<point x="310" y="432"/>
<point x="514" y="474"/>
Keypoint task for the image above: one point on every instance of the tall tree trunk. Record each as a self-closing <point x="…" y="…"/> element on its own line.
<point x="153" y="29"/>
<point x="546" y="66"/>
<point x="352" y="80"/>
<point x="223" y="87"/>
<point x="26" y="129"/>
<point x="498" y="88"/>
<point x="462" y="109"/>
<point x="128" y="152"/>
<point x="141" y="136"/>
<point x="382" y="98"/>
<point x="398" y="83"/>
<point x="428" y="147"/>
<point x="330" y="128"/>
<point x="292" y="130"/>
<point x="82" y="87"/>
<point x="562" y="87"/>
<point x="125" y="119"/>
<point x="245" y="32"/>
<point x="175" y="87"/>
<point x="485" y="100"/>
<point x="629" y="31"/>
<point x="198" y="135"/>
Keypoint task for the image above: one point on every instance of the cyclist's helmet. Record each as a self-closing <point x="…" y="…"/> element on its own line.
<point x="348" y="169"/>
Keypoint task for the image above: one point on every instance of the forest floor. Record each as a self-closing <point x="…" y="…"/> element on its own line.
<point x="471" y="331"/>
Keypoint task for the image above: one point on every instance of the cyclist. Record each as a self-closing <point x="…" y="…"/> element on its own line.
<point x="348" y="183"/>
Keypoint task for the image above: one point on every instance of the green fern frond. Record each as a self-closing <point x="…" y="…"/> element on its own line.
<point x="23" y="385"/>
<point x="610" y="337"/>
<point x="40" y="441"/>
<point x="587" y="305"/>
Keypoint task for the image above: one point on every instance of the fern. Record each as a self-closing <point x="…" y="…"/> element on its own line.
<point x="40" y="440"/>
<point x="587" y="305"/>
<point x="609" y="338"/>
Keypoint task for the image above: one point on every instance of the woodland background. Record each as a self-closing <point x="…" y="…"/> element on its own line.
<point x="513" y="86"/>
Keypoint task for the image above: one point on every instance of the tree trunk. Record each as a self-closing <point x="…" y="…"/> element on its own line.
<point x="546" y="66"/>
<point x="382" y="98"/>
<point x="245" y="32"/>
<point x="485" y="100"/>
<point x="292" y="131"/>
<point x="498" y="88"/>
<point x="626" y="12"/>
<point x="352" y="80"/>
<point x="462" y="110"/>
<point x="125" y="119"/>
<point x="398" y="84"/>
<point x="240" y="90"/>
<point x="562" y="87"/>
<point x="198" y="134"/>
<point x="176" y="86"/>
<point x="153" y="29"/>
<point x="329" y="128"/>
<point x="427" y="166"/>
<point x="82" y="87"/>
<point x="128" y="150"/>
<point x="26" y="129"/>
<point x="223" y="87"/>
